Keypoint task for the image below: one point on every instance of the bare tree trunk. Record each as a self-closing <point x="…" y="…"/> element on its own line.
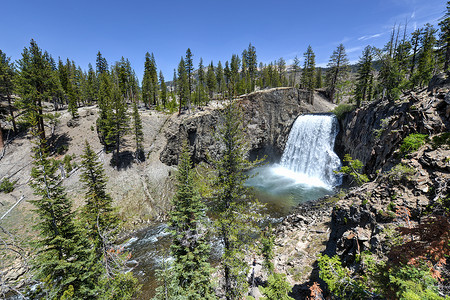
<point x="1" y="137"/>
<point x="11" y="112"/>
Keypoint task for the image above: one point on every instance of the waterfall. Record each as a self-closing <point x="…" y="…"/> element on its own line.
<point x="309" y="151"/>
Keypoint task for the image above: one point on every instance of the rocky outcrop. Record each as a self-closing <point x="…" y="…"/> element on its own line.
<point x="268" y="117"/>
<point x="365" y="218"/>
<point x="374" y="132"/>
<point x="439" y="81"/>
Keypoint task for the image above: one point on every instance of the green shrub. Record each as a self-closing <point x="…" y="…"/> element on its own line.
<point x="413" y="142"/>
<point x="353" y="169"/>
<point x="67" y="161"/>
<point x="391" y="206"/>
<point x="7" y="186"/>
<point x="277" y="288"/>
<point x="342" y="109"/>
<point x="442" y="139"/>
<point x="401" y="172"/>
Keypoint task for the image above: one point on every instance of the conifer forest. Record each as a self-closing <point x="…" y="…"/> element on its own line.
<point x="234" y="179"/>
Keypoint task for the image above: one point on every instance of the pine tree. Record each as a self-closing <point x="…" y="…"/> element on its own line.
<point x="235" y="65"/>
<point x="64" y="261"/>
<point x="277" y="288"/>
<point x="415" y="43"/>
<point x="444" y="37"/>
<point x="163" y="89"/>
<point x="308" y="78"/>
<point x="319" y="81"/>
<point x="138" y="134"/>
<point x="7" y="74"/>
<point x="252" y="65"/>
<point x="98" y="212"/>
<point x="338" y="70"/>
<point x="117" y="121"/>
<point x="393" y="65"/>
<point x="296" y="69"/>
<point x="101" y="64"/>
<point x="363" y="81"/>
<point x="91" y="90"/>
<point x="189" y="69"/>
<point x="219" y="77"/>
<point x="183" y="85"/>
<point x="426" y="62"/>
<point x="154" y="81"/>
<point x="281" y="67"/>
<point x="211" y="82"/>
<point x="113" y="280"/>
<point x="190" y="248"/>
<point x="201" y="94"/>
<point x="105" y="106"/>
<point x="227" y="74"/>
<point x="34" y="85"/>
<point x="234" y="208"/>
<point x="146" y="81"/>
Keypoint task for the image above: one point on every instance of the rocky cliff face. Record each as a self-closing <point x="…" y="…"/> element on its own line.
<point x="268" y="117"/>
<point x="365" y="218"/>
<point x="373" y="133"/>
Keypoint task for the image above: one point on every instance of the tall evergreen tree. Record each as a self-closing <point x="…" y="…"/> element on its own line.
<point x="91" y="84"/>
<point x="444" y="37"/>
<point x="154" y="81"/>
<point x="183" y="85"/>
<point x="227" y="74"/>
<point x="295" y="69"/>
<point x="7" y="74"/>
<point x="101" y="64"/>
<point x="235" y="65"/>
<point x="232" y="204"/>
<point x="219" y="77"/>
<point x="98" y="213"/>
<point x="365" y="76"/>
<point x="190" y="248"/>
<point x="392" y="72"/>
<point x="64" y="262"/>
<point x="319" y="79"/>
<point x="113" y="279"/>
<point x="189" y="69"/>
<point x="338" y="70"/>
<point x="426" y="62"/>
<point x="147" y="81"/>
<point x="252" y="65"/>
<point x="308" y="78"/>
<point x="163" y="89"/>
<point x="211" y="82"/>
<point x="281" y="68"/>
<point x="415" y="43"/>
<point x="117" y="121"/>
<point x="201" y="83"/>
<point x="34" y="85"/>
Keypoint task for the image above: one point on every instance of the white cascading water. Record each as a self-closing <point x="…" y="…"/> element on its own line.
<point x="309" y="157"/>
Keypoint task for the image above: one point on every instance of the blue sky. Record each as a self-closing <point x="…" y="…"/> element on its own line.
<point x="213" y="29"/>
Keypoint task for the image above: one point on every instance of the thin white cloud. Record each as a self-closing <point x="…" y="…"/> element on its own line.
<point x="368" y="37"/>
<point x="413" y="15"/>
<point x="353" y="49"/>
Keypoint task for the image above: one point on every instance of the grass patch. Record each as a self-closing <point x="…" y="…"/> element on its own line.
<point x="400" y="172"/>
<point x="442" y="139"/>
<point x="413" y="142"/>
<point x="342" y="109"/>
<point x="7" y="186"/>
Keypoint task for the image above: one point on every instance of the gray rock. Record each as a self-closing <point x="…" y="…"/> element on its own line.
<point x="268" y="118"/>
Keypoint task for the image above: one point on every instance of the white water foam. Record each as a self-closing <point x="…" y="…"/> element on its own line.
<point x="309" y="157"/>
